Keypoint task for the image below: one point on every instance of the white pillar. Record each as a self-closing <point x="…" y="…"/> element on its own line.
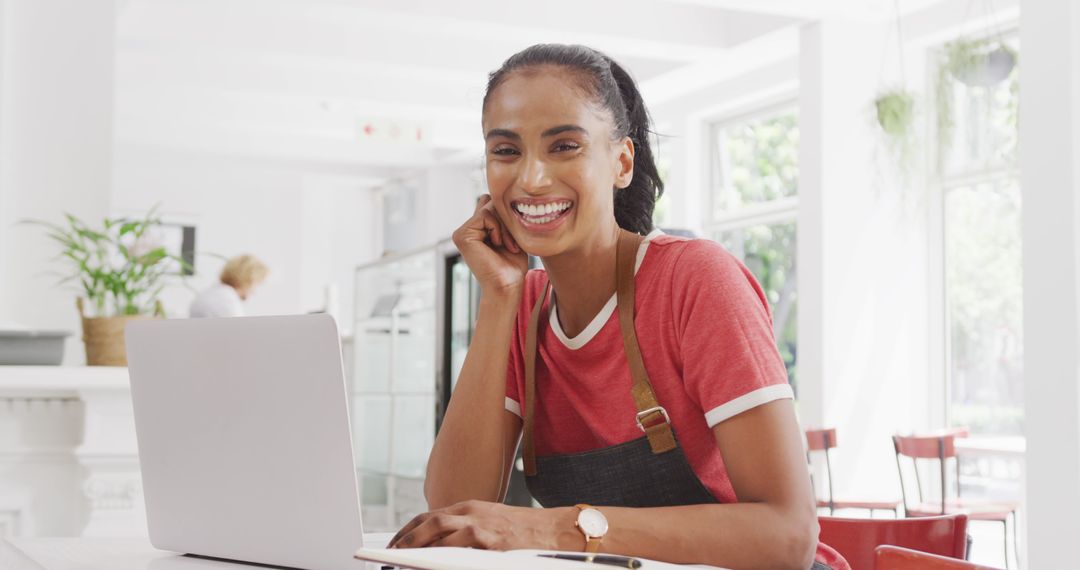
<point x="1050" y="171"/>
<point x="56" y="124"/>
<point x="862" y="263"/>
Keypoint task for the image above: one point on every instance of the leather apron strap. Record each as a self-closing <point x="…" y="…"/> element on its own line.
<point x="651" y="417"/>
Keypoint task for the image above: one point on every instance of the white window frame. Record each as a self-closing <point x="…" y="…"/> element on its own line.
<point x="771" y="212"/>
<point x="939" y="185"/>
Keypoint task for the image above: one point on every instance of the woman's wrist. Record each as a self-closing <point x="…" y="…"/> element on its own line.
<point x="502" y="299"/>
<point x="565" y="534"/>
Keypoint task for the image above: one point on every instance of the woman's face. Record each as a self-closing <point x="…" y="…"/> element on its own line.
<point x="551" y="161"/>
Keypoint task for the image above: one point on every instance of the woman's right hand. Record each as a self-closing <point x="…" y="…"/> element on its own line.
<point x="489" y="250"/>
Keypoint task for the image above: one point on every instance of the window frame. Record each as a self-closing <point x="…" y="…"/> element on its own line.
<point x="939" y="184"/>
<point x="770" y="212"/>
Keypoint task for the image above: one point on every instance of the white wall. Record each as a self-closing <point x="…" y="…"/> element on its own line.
<point x="237" y="207"/>
<point x="863" y="263"/>
<point x="56" y="110"/>
<point x="1050" y="166"/>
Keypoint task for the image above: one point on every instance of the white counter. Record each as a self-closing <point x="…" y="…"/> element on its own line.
<point x="68" y="455"/>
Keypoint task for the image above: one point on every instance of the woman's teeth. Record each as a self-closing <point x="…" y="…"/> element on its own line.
<point x="542" y="213"/>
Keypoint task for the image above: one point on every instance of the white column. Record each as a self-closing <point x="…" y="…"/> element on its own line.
<point x="862" y="263"/>
<point x="1050" y="167"/>
<point x="56" y="120"/>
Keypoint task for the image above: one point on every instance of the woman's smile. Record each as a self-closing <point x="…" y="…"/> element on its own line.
<point x="541" y="215"/>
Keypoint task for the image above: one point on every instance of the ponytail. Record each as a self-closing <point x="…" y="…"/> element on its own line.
<point x="616" y="90"/>
<point x="634" y="204"/>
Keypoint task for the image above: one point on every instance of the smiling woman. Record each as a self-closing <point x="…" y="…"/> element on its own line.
<point x="665" y="431"/>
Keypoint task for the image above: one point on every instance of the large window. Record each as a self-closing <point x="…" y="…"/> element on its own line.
<point x="753" y="205"/>
<point x="981" y="241"/>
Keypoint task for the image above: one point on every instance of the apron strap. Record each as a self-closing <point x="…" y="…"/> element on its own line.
<point x="651" y="417"/>
<point x="530" y="380"/>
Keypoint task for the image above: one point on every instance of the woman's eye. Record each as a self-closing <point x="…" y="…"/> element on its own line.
<point x="503" y="151"/>
<point x="565" y="146"/>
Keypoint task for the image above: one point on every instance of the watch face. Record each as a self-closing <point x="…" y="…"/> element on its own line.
<point x="592" y="522"/>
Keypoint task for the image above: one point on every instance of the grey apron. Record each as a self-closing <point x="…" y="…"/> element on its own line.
<point x="651" y="471"/>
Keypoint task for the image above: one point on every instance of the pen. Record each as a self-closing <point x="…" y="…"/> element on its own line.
<point x="609" y="559"/>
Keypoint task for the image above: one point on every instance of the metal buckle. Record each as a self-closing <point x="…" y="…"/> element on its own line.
<point x="644" y="413"/>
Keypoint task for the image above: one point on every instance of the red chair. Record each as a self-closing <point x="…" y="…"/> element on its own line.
<point x="940" y="447"/>
<point x="856" y="539"/>
<point x="896" y="558"/>
<point x="821" y="441"/>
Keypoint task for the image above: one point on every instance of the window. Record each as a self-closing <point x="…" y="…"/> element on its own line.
<point x="980" y="204"/>
<point x="753" y="206"/>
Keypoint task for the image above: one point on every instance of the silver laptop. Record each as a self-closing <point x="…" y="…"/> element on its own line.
<point x="244" y="439"/>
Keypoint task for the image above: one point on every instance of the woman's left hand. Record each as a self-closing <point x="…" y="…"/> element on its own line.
<point x="491" y="526"/>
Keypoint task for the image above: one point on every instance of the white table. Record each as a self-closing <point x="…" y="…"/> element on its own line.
<point x="121" y="554"/>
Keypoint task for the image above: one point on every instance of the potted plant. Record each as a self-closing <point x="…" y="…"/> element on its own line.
<point x="978" y="63"/>
<point x="895" y="113"/>
<point x="120" y="269"/>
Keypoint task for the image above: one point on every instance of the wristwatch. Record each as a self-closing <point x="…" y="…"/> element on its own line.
<point x="593" y="524"/>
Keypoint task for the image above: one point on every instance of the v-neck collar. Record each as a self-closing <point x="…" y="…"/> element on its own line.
<point x="606" y="311"/>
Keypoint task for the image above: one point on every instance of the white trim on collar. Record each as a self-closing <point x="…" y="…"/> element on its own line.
<point x="605" y="313"/>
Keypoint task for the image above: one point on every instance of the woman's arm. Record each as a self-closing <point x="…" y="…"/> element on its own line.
<point x="476" y="444"/>
<point x="774" y="524"/>
<point x="478" y="438"/>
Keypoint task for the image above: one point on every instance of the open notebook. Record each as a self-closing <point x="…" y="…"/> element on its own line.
<point x="449" y="558"/>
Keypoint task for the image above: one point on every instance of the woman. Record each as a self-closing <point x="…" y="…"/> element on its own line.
<point x="719" y="476"/>
<point x="240" y="276"/>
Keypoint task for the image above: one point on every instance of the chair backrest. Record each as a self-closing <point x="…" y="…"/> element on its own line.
<point x="856" y="539"/>
<point x="936" y="446"/>
<point x="897" y="558"/>
<point x="822" y="440"/>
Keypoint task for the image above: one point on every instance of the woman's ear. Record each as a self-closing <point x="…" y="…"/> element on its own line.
<point x="624" y="166"/>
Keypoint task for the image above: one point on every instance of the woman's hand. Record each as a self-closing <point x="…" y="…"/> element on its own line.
<point x="489" y="250"/>
<point x="492" y="526"/>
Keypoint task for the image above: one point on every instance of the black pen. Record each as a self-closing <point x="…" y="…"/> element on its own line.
<point x="609" y="559"/>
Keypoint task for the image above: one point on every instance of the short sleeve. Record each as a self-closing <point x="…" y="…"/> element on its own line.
<point x="729" y="355"/>
<point x="515" y="373"/>
<point x="515" y="366"/>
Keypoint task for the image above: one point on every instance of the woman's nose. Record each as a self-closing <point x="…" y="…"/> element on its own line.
<point x="534" y="175"/>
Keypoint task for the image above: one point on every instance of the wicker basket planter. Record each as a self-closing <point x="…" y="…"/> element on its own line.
<point x="104" y="336"/>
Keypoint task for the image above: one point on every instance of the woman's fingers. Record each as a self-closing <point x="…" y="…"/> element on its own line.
<point x="408" y="528"/>
<point x="430" y="530"/>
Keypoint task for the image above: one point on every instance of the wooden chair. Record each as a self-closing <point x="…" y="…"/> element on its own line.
<point x="897" y="558"/>
<point x="940" y="447"/>
<point x="821" y="441"/>
<point x="856" y="539"/>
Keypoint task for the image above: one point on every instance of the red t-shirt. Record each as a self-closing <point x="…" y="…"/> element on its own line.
<point x="705" y="334"/>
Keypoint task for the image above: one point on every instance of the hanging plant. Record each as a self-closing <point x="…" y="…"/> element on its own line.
<point x="977" y="63"/>
<point x="981" y="62"/>
<point x="895" y="114"/>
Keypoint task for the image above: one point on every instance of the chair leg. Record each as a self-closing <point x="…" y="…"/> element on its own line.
<point x="1005" y="540"/>
<point x="967" y="553"/>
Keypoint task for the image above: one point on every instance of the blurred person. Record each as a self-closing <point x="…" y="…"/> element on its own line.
<point x="239" y="278"/>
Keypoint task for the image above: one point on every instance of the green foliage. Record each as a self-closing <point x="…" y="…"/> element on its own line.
<point x="118" y="268"/>
<point x="961" y="59"/>
<point x="895" y="112"/>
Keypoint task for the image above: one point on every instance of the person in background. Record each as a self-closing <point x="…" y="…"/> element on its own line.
<point x="240" y="276"/>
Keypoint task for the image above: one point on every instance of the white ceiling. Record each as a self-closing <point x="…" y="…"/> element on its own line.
<point x="295" y="80"/>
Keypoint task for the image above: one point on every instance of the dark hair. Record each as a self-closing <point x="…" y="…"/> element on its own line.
<point x="616" y="91"/>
